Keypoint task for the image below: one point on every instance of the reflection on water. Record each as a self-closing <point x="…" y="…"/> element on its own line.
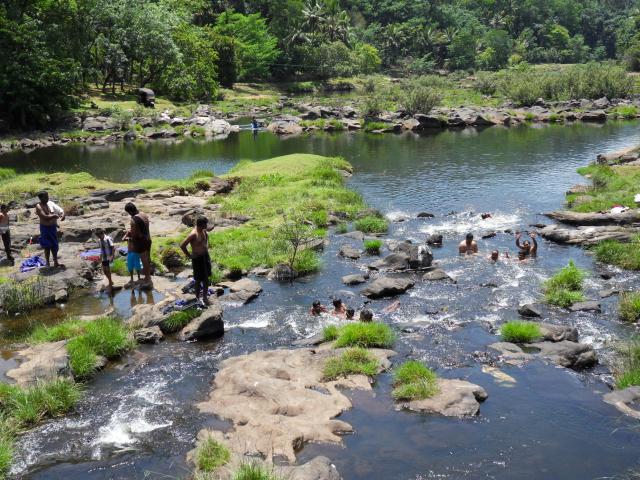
<point x="138" y="416"/>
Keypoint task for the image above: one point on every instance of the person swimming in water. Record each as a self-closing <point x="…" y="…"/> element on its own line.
<point x="317" y="308"/>
<point x="526" y="248"/>
<point x="468" y="246"/>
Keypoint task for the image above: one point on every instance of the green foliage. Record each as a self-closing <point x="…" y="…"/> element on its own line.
<point x="414" y="381"/>
<point x="419" y="99"/>
<point x="375" y="126"/>
<point x="625" y="111"/>
<point x="624" y="255"/>
<point x="366" y="335"/>
<point x="211" y="454"/>
<point x="342" y="228"/>
<point x="61" y="331"/>
<point x="628" y="370"/>
<point x="371" y="224"/>
<point x="354" y="361"/>
<point x="177" y="320"/>
<point x="23" y="296"/>
<point x="373" y="247"/>
<point x="254" y="471"/>
<point x="565" y="287"/>
<point x="629" y="306"/>
<point x="330" y="333"/>
<point x="119" y="266"/>
<point x="520" y="332"/>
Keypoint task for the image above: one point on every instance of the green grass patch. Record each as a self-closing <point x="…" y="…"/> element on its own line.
<point x="211" y="454"/>
<point x="366" y="335"/>
<point x="629" y="306"/>
<point x="414" y="381"/>
<point x="177" y="320"/>
<point x="610" y="186"/>
<point x="565" y="287"/>
<point x="623" y="255"/>
<point x="372" y="247"/>
<point x="375" y="126"/>
<point x="625" y="111"/>
<point x="371" y="224"/>
<point x="628" y="370"/>
<point x="23" y="296"/>
<point x="322" y="124"/>
<point x="330" y="333"/>
<point x="520" y="332"/>
<point x="254" y="471"/>
<point x="354" y="361"/>
<point x="61" y="331"/>
<point x="119" y="267"/>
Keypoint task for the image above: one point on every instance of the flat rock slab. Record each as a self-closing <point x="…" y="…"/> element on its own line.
<point x="242" y="291"/>
<point x="456" y="398"/>
<point x="436" y="274"/>
<point x="596" y="219"/>
<point x="355" y="279"/>
<point x="588" y="306"/>
<point x="625" y="400"/>
<point x="148" y="335"/>
<point x="42" y="362"/>
<point x="278" y="401"/>
<point x="208" y="325"/>
<point x="558" y="333"/>
<point x="588" y="235"/>
<point x="393" y="262"/>
<point x="387" y="287"/>
<point x="530" y="310"/>
<point x="319" y="468"/>
<point x="564" y="353"/>
<point x="348" y="251"/>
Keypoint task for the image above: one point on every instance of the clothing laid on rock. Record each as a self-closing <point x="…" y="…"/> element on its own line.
<point x="32" y="263"/>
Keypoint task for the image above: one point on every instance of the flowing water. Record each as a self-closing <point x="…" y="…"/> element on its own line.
<point x="138" y="417"/>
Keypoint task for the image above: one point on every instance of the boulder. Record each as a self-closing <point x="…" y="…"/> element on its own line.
<point x="387" y="287"/>
<point x="118" y="195"/>
<point x="568" y="354"/>
<point x="601" y="102"/>
<point x="420" y="256"/>
<point x="208" y="325"/>
<point x="355" y="279"/>
<point x="595" y="116"/>
<point x="436" y="274"/>
<point x="280" y="127"/>
<point x="425" y="215"/>
<point x="148" y="335"/>
<point x="393" y="262"/>
<point x="626" y="401"/>
<point x="434" y="239"/>
<point x="588" y="235"/>
<point x="97" y="124"/>
<point x="455" y="398"/>
<point x="242" y="291"/>
<point x="428" y="121"/>
<point x="220" y="185"/>
<point x="41" y="362"/>
<point x="347" y="251"/>
<point x="530" y="310"/>
<point x="558" y="333"/>
<point x="588" y="306"/>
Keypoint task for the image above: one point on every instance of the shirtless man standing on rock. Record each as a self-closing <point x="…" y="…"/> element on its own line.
<point x="49" y="213"/>
<point x="5" y="233"/>
<point x="141" y="241"/>
<point x="200" y="259"/>
<point x="468" y="246"/>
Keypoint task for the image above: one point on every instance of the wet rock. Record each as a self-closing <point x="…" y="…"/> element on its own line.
<point x="356" y="279"/>
<point x="242" y="291"/>
<point x="387" y="287"/>
<point x="588" y="235"/>
<point x="436" y="274"/>
<point x="319" y="468"/>
<point x="626" y="401"/>
<point x="41" y="363"/>
<point x="434" y="239"/>
<point x="609" y="292"/>
<point x="601" y="102"/>
<point x="568" y="354"/>
<point x="355" y="235"/>
<point x="530" y="310"/>
<point x="393" y="262"/>
<point x="425" y="215"/>
<point x="347" y="251"/>
<point x="488" y="235"/>
<point x="284" y="128"/>
<point x="489" y="285"/>
<point x="558" y="333"/>
<point x="148" y="335"/>
<point x="456" y="398"/>
<point x="277" y="401"/>
<point x="595" y="116"/>
<point x="595" y="218"/>
<point x="588" y="306"/>
<point x="208" y="325"/>
<point x="312" y="341"/>
<point x="220" y="185"/>
<point x="61" y="295"/>
<point x="427" y="121"/>
<point x="282" y="272"/>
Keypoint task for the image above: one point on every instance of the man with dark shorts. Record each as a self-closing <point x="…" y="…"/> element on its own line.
<point x="49" y="213"/>
<point x="5" y="232"/>
<point x="200" y="259"/>
<point x="141" y="241"/>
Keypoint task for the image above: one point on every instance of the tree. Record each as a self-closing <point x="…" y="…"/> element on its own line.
<point x="462" y="51"/>
<point x="366" y="58"/>
<point x="295" y="233"/>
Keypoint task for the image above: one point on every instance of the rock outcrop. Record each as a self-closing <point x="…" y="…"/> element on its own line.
<point x="455" y="398"/>
<point x="208" y="325"/>
<point x="588" y="235"/>
<point x="626" y="401"/>
<point x="387" y="287"/>
<point x="596" y="219"/>
<point x="42" y="362"/>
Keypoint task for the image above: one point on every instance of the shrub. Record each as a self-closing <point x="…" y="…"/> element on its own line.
<point x="486" y="83"/>
<point x="563" y="298"/>
<point x="414" y="381"/>
<point x="367" y="335"/>
<point x="419" y="99"/>
<point x="253" y="471"/>
<point x="23" y="296"/>
<point x="565" y="287"/>
<point x="629" y="306"/>
<point x="177" y="320"/>
<point x="353" y="361"/>
<point x="211" y="454"/>
<point x="373" y="105"/>
<point x="520" y="332"/>
<point x="371" y="224"/>
<point x="373" y="246"/>
<point x="628" y="369"/>
<point x="342" y="228"/>
<point x="119" y="266"/>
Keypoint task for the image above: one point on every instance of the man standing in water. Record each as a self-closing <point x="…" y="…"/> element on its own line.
<point x="141" y="241"/>
<point x="526" y="248"/>
<point x="200" y="259"/>
<point x="468" y="246"/>
<point x="4" y="231"/>
<point x="49" y="213"/>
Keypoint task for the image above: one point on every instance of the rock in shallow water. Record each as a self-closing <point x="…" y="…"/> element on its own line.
<point x="456" y="398"/>
<point x="355" y="279"/>
<point x="208" y="325"/>
<point x="148" y="335"/>
<point x="625" y="400"/>
<point x="387" y="287"/>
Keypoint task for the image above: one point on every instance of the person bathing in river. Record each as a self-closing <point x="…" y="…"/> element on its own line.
<point x="49" y="213"/>
<point x="366" y="316"/>
<point x="350" y="313"/>
<point x="200" y="259"/>
<point x="339" y="309"/>
<point x="141" y="241"/>
<point x="526" y="248"/>
<point x="317" y="308"/>
<point x="468" y="246"/>
<point x="4" y="231"/>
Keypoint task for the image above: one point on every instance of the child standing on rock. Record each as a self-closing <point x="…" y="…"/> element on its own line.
<point x="107" y="252"/>
<point x="200" y="259"/>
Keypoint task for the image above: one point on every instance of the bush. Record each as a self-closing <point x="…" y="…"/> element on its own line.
<point x="367" y="335"/>
<point x="629" y="306"/>
<point x="565" y="287"/>
<point x="373" y="105"/>
<point x="177" y="320"/>
<point x="371" y="224"/>
<point x="354" y="361"/>
<point x="414" y="381"/>
<point x="373" y="246"/>
<point x="373" y="126"/>
<point x="420" y="99"/>
<point x="520" y="332"/>
<point x="486" y="83"/>
<point x="628" y="369"/>
<point x="211" y="454"/>
<point x="341" y="228"/>
<point x="23" y="296"/>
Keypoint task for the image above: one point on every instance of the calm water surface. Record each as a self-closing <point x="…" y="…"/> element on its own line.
<point x="138" y="420"/>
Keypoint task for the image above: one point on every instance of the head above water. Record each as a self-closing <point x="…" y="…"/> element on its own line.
<point x="350" y="313"/>
<point x="337" y="303"/>
<point x="43" y="195"/>
<point x="316" y="306"/>
<point x="202" y="222"/>
<point x="131" y="209"/>
<point x="366" y="315"/>
<point x="495" y="255"/>
<point x="469" y="237"/>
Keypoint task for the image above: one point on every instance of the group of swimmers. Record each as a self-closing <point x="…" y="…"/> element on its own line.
<point x="525" y="249"/>
<point x="340" y="310"/>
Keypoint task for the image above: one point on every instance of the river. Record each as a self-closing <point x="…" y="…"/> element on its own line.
<point x="138" y="418"/>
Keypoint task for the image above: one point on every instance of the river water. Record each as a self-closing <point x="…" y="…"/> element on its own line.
<point x="138" y="418"/>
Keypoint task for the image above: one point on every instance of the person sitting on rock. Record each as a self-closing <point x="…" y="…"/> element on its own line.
<point x="107" y="252"/>
<point x="339" y="309"/>
<point x="366" y="316"/>
<point x="200" y="259"/>
<point x="5" y="233"/>
<point x="526" y="248"/>
<point x="350" y="313"/>
<point x="317" y="308"/>
<point x="468" y="246"/>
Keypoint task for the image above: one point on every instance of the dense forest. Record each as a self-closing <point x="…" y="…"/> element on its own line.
<point x="53" y="50"/>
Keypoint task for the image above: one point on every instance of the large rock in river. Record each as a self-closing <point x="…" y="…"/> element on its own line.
<point x="387" y="287"/>
<point x="626" y="401"/>
<point x="595" y="218"/>
<point x="208" y="325"/>
<point x="281" y="127"/>
<point x="588" y="235"/>
<point x="393" y="262"/>
<point x="42" y="362"/>
<point x="455" y="398"/>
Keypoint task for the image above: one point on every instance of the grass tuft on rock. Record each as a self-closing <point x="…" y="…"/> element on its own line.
<point x="254" y="471"/>
<point x="371" y="224"/>
<point x="177" y="320"/>
<point x="628" y="370"/>
<point x="520" y="332"/>
<point x="23" y="296"/>
<point x="330" y="333"/>
<point x="366" y="335"/>
<point x="373" y="247"/>
<point x="354" y="361"/>
<point x="211" y="455"/>
<point x="623" y="255"/>
<point x="629" y="306"/>
<point x="414" y="381"/>
<point x="565" y="287"/>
